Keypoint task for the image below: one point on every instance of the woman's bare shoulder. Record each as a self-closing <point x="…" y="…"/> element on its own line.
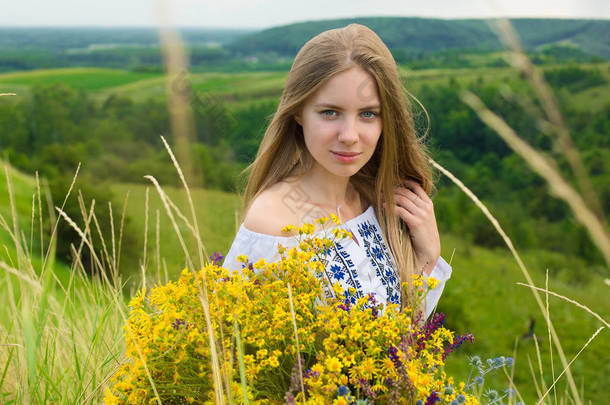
<point x="270" y="211"/>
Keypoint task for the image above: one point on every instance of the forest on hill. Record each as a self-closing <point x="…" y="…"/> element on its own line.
<point x="416" y="42"/>
<point x="53" y="127"/>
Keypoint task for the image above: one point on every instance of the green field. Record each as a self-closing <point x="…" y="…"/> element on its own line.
<point x="238" y="90"/>
<point x="482" y="296"/>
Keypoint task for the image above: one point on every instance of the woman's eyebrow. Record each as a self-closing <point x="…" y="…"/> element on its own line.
<point x="326" y="105"/>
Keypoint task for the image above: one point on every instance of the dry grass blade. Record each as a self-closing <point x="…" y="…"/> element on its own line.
<point x="536" y="161"/>
<point x="533" y="374"/>
<point x="203" y="295"/>
<point x="296" y="338"/>
<point x="40" y="215"/>
<point x="200" y="247"/>
<point x="563" y="142"/>
<point x="167" y="204"/>
<point x="21" y="257"/>
<point x="571" y="301"/>
<point x="123" y="215"/>
<point x="114" y="297"/>
<point x="51" y="250"/>
<point x="33" y="282"/>
<point x="158" y="246"/>
<point x="7" y="94"/>
<point x="524" y="270"/>
<point x="113" y="241"/>
<point x="87" y="242"/>
<point x="32" y="221"/>
<point x="547" y="316"/>
<point x="569" y="364"/>
<point x="143" y="265"/>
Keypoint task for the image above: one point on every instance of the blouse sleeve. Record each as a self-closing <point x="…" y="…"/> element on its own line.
<point x="253" y="245"/>
<point x="442" y="272"/>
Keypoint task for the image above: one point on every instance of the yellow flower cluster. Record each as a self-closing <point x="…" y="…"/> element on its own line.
<point x="349" y="352"/>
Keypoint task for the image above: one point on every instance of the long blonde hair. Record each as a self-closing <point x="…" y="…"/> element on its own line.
<point x="399" y="154"/>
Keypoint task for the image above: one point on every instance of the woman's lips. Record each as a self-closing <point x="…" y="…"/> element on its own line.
<point x="346" y="156"/>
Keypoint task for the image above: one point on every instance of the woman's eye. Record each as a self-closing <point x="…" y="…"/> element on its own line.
<point x="328" y="113"/>
<point x="372" y="114"/>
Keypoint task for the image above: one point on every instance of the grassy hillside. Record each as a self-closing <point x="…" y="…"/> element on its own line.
<point x="241" y="89"/>
<point x="25" y="200"/>
<point x="481" y="297"/>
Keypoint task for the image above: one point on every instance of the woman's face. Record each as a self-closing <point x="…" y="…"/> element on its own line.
<point x="342" y="117"/>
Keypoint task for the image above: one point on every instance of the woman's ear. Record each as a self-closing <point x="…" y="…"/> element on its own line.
<point x="297" y="118"/>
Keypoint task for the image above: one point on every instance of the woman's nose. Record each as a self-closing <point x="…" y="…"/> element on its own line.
<point x="349" y="131"/>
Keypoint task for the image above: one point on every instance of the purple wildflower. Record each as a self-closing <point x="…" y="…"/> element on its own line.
<point x="179" y="322"/>
<point x="216" y="258"/>
<point x="346" y="307"/>
<point x="311" y="374"/>
<point x="367" y="390"/>
<point x="373" y="305"/>
<point x="393" y="355"/>
<point x="435" y="322"/>
<point x="432" y="398"/>
<point x="457" y="342"/>
<point x="248" y="264"/>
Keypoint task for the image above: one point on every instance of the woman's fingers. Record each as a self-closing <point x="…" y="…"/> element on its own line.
<point x="417" y="189"/>
<point x="407" y="216"/>
<point x="409" y="203"/>
<point x="410" y="195"/>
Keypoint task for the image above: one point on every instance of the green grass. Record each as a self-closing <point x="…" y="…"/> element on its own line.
<point x="481" y="298"/>
<point x="93" y="79"/>
<point x="215" y="212"/>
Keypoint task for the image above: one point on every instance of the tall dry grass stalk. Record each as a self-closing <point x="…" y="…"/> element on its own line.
<point x="61" y="336"/>
<point x="563" y="141"/>
<point x="547" y="169"/>
<point x="523" y="268"/>
<point x="587" y="210"/>
<point x="296" y="340"/>
<point x="567" y="368"/>
<point x="183" y="130"/>
<point x="178" y="90"/>
<point x="203" y="294"/>
<point x="571" y="301"/>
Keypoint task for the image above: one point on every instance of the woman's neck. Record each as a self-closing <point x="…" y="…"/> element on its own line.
<point x="336" y="195"/>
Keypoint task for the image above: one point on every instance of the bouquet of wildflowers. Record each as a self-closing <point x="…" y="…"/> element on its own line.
<point x="278" y="340"/>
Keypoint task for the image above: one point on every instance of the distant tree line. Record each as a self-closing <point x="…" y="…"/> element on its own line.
<point x="117" y="140"/>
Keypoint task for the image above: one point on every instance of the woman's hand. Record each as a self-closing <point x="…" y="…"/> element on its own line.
<point x="414" y="206"/>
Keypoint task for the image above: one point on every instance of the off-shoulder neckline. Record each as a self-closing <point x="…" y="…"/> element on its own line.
<point x="245" y="230"/>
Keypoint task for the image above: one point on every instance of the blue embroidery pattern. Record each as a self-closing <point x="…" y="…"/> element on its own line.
<point x="379" y="255"/>
<point x="339" y="266"/>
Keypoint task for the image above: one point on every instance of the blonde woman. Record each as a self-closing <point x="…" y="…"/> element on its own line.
<point x="342" y="141"/>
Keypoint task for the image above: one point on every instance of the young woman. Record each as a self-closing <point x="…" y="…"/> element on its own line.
<point x="342" y="141"/>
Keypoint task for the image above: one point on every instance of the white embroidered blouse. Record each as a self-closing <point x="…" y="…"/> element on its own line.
<point x="364" y="263"/>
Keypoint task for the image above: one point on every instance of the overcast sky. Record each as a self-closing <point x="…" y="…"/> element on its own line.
<point x="267" y="13"/>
